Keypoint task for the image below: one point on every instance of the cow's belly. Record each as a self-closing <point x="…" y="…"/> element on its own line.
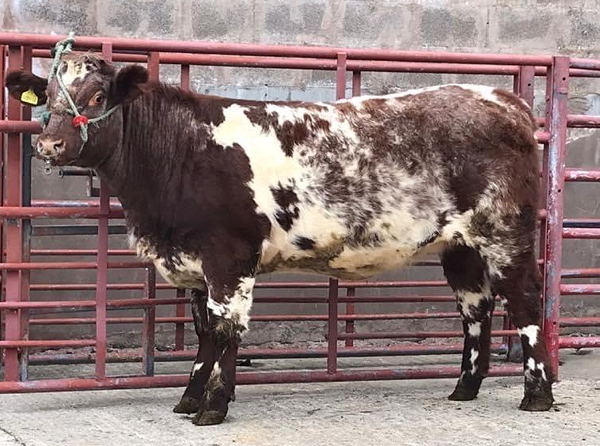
<point x="181" y="269"/>
<point x="343" y="261"/>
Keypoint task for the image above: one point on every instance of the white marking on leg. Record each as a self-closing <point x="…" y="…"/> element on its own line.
<point x="239" y="305"/>
<point x="196" y="368"/>
<point x="215" y="307"/>
<point x="468" y="299"/>
<point x="532" y="366"/>
<point x="540" y="367"/>
<point x="475" y="329"/>
<point x="474" y="356"/>
<point x="531" y="331"/>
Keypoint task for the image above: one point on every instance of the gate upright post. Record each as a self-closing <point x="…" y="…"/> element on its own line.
<point x="524" y="87"/>
<point x="26" y="231"/>
<point x="148" y="343"/>
<point x="556" y="120"/>
<point x="180" y="293"/>
<point x="340" y="76"/>
<point x="332" y="320"/>
<point x="102" y="263"/>
<point x="13" y="227"/>
<point x="332" y="326"/>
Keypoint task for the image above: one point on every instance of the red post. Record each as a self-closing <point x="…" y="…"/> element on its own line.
<point x="356" y="81"/>
<point x="153" y="66"/>
<point x="26" y="52"/>
<point x="524" y="88"/>
<point x="525" y="84"/>
<point x="13" y="227"/>
<point x="148" y="343"/>
<point x="556" y="120"/>
<point x="350" y="292"/>
<point x="340" y="76"/>
<point x="180" y="308"/>
<point x="102" y="262"/>
<point x="185" y="77"/>
<point x="2" y="117"/>
<point x="332" y="326"/>
<point x="180" y="326"/>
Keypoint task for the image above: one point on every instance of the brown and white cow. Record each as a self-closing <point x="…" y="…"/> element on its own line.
<point x="219" y="190"/>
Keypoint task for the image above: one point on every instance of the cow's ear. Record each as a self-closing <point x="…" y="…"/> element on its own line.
<point x="27" y="87"/>
<point x="128" y="83"/>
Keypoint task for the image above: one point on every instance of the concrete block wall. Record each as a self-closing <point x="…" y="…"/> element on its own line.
<point x="510" y="26"/>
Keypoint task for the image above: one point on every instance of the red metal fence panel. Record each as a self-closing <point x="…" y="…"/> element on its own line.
<point x="18" y="50"/>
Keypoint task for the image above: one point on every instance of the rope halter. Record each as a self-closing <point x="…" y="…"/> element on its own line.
<point x="79" y="120"/>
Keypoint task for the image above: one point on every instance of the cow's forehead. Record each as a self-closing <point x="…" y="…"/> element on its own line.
<point x="74" y="68"/>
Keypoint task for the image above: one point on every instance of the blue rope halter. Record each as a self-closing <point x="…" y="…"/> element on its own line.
<point x="79" y="120"/>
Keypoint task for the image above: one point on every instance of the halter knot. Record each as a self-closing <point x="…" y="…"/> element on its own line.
<point x="79" y="120"/>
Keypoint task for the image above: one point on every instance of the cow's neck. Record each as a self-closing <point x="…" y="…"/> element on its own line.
<point x="146" y="165"/>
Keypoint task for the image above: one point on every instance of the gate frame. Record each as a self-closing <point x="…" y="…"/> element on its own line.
<point x="17" y="210"/>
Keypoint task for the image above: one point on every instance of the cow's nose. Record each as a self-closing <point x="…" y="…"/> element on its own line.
<point x="50" y="147"/>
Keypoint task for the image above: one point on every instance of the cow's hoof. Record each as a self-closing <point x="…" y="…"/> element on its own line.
<point x="462" y="394"/>
<point x="209" y="417"/>
<point x="536" y="402"/>
<point x="466" y="390"/>
<point x="187" y="405"/>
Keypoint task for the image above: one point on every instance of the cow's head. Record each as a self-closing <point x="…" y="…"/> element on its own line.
<point x="95" y="87"/>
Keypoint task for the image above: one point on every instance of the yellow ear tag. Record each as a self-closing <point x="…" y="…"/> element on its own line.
<point x="29" y="97"/>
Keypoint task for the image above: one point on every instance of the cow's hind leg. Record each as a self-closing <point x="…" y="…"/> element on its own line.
<point x="467" y="274"/>
<point x="520" y="285"/>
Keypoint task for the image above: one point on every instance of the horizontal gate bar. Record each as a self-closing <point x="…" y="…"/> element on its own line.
<point x="175" y="46"/>
<point x="68" y="265"/>
<point x="580" y="342"/>
<point x="132" y="382"/>
<point x="579" y="288"/>
<point x="580" y="321"/>
<point x="30" y="343"/>
<point x="265" y="353"/>
<point x="581" y="233"/>
<point x="417" y="334"/>
<point x="582" y="175"/>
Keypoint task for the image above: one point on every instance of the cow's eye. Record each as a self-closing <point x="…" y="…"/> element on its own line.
<point x="97" y="99"/>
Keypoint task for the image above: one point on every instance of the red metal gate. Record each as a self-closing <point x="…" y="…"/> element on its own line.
<point x="18" y="210"/>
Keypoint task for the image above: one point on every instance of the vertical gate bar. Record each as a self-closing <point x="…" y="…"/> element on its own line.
<point x="180" y="293"/>
<point x="332" y="326"/>
<point x="556" y="119"/>
<point x="544" y="179"/>
<point x="340" y="76"/>
<point x="26" y="54"/>
<point x="13" y="227"/>
<point x="2" y="116"/>
<point x="356" y="83"/>
<point x="148" y="333"/>
<point x="153" y="66"/>
<point x="523" y="87"/>
<point x="526" y="86"/>
<point x="180" y="326"/>
<point x="350" y="292"/>
<point x="185" y="77"/>
<point x="102" y="263"/>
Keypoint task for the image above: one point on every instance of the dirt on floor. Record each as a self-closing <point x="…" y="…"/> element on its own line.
<point x="359" y="413"/>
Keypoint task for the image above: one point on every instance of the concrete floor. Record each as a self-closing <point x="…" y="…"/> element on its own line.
<point x="362" y="413"/>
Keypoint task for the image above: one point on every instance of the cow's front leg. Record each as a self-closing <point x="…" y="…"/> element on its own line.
<point x="227" y="309"/>
<point x="190" y="401"/>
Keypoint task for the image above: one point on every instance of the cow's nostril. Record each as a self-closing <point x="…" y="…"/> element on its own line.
<point x="59" y="145"/>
